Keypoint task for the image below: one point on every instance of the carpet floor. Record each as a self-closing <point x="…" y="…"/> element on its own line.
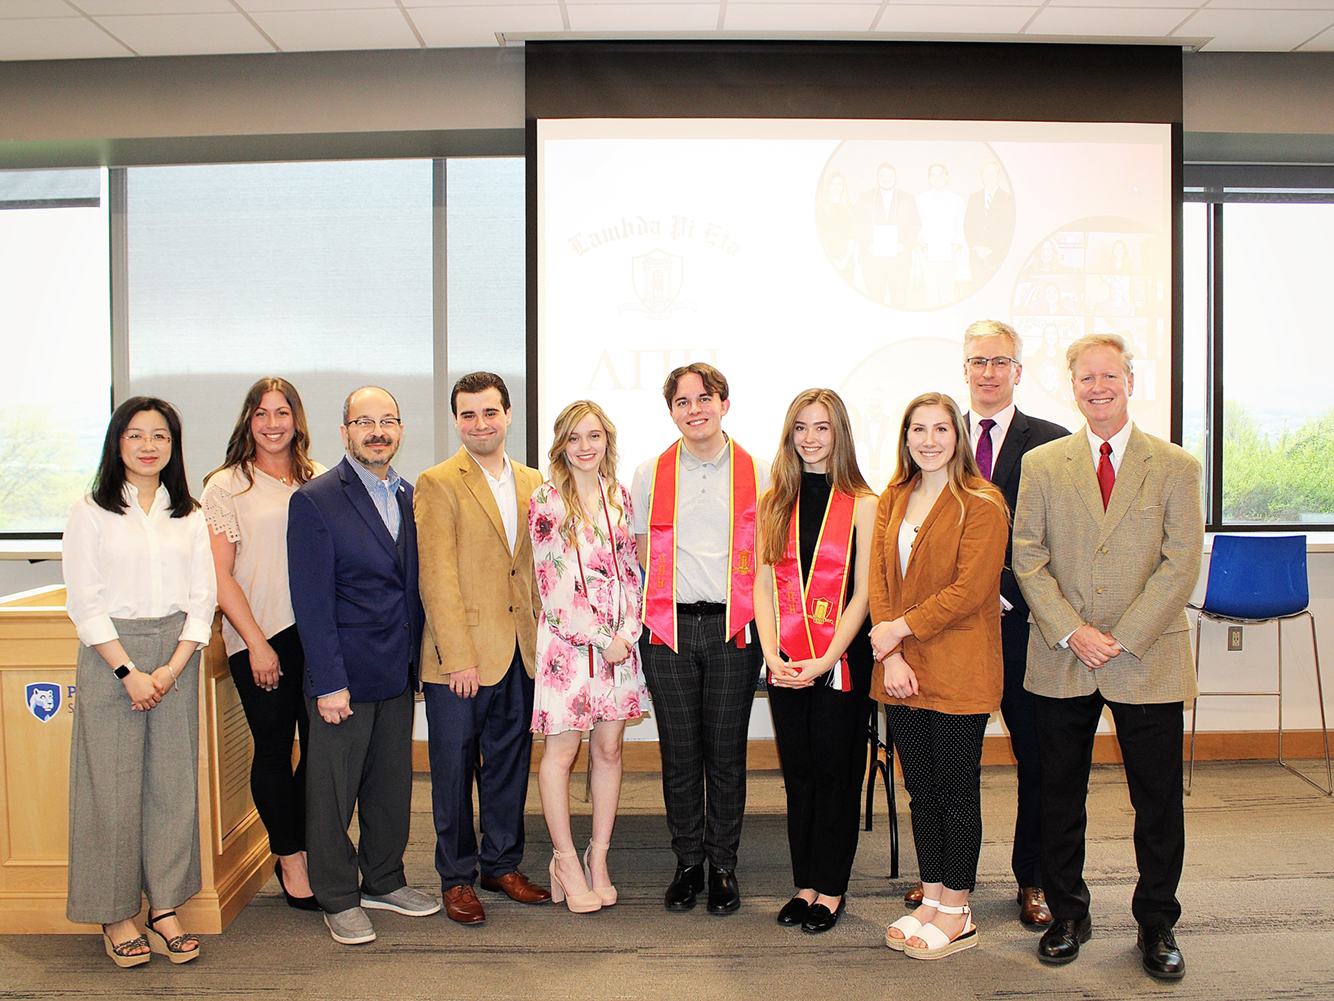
<point x="1258" y="922"/>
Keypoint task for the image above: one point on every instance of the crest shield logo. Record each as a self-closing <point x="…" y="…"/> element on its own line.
<point x="656" y="278"/>
<point x="43" y="699"/>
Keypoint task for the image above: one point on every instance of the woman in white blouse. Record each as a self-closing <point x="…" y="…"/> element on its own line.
<point x="140" y="590"/>
<point x="245" y="504"/>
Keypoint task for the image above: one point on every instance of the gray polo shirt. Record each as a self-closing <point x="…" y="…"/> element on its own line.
<point x="703" y="520"/>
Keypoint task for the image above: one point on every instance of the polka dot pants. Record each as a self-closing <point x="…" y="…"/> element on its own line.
<point x="941" y="755"/>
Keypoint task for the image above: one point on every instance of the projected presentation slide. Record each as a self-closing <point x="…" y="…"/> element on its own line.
<point x="847" y="254"/>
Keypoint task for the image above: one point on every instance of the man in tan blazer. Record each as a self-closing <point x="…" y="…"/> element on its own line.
<point x="481" y="601"/>
<point x="1108" y="535"/>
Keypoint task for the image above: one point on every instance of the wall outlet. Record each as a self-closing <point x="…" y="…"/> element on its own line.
<point x="1233" y="638"/>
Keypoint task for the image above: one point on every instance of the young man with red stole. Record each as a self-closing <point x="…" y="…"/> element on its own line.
<point x="694" y="508"/>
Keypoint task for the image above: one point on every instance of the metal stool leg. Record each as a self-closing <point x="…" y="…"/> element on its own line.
<point x="1328" y="788"/>
<point x="885" y="768"/>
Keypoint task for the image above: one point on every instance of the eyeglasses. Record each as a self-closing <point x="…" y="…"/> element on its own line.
<point x="999" y="363"/>
<point x="135" y="438"/>
<point x="369" y="424"/>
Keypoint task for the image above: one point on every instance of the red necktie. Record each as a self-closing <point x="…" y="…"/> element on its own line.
<point x="984" y="446"/>
<point x="1106" y="474"/>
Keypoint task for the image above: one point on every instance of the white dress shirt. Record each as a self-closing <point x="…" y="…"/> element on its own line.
<point x="1118" y="442"/>
<point x="137" y="566"/>
<point x="507" y="500"/>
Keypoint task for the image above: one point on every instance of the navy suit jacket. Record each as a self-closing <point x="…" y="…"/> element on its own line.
<point x="354" y="589"/>
<point x="1025" y="434"/>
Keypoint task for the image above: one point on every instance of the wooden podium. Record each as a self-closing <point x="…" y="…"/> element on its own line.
<point x="38" y="650"/>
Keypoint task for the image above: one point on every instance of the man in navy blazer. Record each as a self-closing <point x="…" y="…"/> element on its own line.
<point x="352" y="565"/>
<point x="992" y="352"/>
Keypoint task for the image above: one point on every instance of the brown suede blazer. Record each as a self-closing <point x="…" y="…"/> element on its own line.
<point x="480" y="598"/>
<point x="950" y="598"/>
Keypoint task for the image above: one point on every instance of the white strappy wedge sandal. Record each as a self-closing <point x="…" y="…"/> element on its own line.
<point x="938" y="944"/>
<point x="908" y="925"/>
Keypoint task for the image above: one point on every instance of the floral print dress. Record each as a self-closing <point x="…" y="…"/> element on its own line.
<point x="590" y="595"/>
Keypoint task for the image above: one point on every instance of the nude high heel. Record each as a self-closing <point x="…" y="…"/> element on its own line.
<point x="579" y="903"/>
<point x="607" y="894"/>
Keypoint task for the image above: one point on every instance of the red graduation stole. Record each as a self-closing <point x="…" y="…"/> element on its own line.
<point x="808" y="612"/>
<point x="660" y="580"/>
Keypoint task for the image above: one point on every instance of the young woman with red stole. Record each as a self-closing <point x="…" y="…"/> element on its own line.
<point x="814" y="528"/>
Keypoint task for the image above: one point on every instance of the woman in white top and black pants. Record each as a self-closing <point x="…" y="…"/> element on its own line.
<point x="140" y="590"/>
<point x="245" y="504"/>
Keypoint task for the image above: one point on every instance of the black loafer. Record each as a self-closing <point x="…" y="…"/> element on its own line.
<point x="1162" y="958"/>
<point x="1060" y="943"/>
<point x="724" y="894"/>
<point x="794" y="912"/>
<point x="687" y="882"/>
<point x="820" y="918"/>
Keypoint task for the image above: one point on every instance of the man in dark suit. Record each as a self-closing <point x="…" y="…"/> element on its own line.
<point x="1108" y="535"/>
<point x="988" y="225"/>
<point x="885" y="222"/>
<point x="1000" y="434"/>
<point x="352" y="564"/>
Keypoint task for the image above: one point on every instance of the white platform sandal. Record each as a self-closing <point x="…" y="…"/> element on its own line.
<point x="938" y="944"/>
<point x="909" y="925"/>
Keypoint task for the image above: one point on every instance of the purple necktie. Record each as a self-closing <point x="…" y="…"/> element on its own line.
<point x="984" y="446"/>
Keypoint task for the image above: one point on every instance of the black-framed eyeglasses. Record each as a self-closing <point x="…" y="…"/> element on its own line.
<point x="1000" y="363"/>
<point x="370" y="424"/>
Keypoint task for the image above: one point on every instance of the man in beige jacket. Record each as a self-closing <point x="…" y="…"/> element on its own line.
<point x="1108" y="535"/>
<point x="481" y="601"/>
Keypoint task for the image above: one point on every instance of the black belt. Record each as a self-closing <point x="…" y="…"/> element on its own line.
<point x="701" y="608"/>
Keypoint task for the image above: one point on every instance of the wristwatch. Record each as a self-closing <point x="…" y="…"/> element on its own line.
<point x="124" y="669"/>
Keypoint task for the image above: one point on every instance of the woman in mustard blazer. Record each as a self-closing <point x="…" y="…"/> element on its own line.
<point x="936" y="560"/>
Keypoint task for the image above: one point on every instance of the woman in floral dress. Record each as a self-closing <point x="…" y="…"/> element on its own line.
<point x="588" y="673"/>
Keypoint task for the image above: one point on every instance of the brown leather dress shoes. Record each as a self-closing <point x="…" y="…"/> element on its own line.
<point x="913" y="898"/>
<point x="1033" y="909"/>
<point x="516" y="886"/>
<point x="462" y="905"/>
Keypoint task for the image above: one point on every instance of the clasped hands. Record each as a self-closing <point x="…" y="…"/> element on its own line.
<point x="795" y="673"/>
<point x="886" y="647"/>
<point x="1093" y="647"/>
<point x="147" y="690"/>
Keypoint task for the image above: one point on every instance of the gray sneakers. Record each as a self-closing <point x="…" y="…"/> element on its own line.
<point x="350" y="927"/>
<point x="404" y="900"/>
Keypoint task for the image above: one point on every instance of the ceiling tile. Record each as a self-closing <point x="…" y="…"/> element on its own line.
<point x="36" y="8"/>
<point x="1183" y="5"/>
<point x="99" y="8"/>
<point x="263" y="6"/>
<point x="457" y="26"/>
<point x="1323" y="42"/>
<point x="1273" y="6"/>
<point x="56" y="38"/>
<point x="799" y="16"/>
<point x="186" y="34"/>
<point x="643" y="16"/>
<point x="307" y="31"/>
<point x="973" y="19"/>
<point x="1107" y="21"/>
<point x="1254" y="31"/>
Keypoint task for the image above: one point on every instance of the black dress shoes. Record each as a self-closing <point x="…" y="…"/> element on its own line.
<point x="687" y="882"/>
<point x="820" y="918"/>
<point x="724" y="894"/>
<point x="794" y="912"/>
<point x="1060" y="943"/>
<point x="1162" y="958"/>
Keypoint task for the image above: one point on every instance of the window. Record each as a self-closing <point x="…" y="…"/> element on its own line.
<point x="55" y="345"/>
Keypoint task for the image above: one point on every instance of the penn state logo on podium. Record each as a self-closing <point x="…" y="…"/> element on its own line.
<point x="43" y="700"/>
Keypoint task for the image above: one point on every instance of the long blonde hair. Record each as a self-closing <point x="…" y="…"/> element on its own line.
<point x="774" y="513"/>
<point x="560" y="474"/>
<point x="964" y="476"/>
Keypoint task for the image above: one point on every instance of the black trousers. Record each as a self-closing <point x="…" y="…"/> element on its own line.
<point x="1017" y="710"/>
<point x="941" y="755"/>
<point x="363" y="762"/>
<point x="1150" y="741"/>
<point x="702" y="698"/>
<point x="821" y="736"/>
<point x="278" y="789"/>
